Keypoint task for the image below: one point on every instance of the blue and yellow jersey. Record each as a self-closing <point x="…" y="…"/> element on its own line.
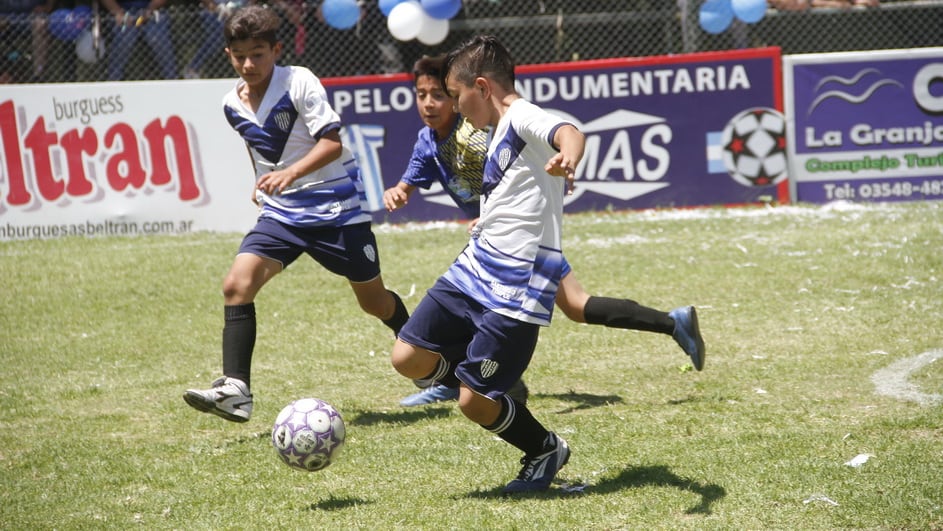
<point x="456" y="162"/>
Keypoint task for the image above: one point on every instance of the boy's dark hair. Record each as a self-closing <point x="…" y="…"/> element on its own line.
<point x="430" y="66"/>
<point x="481" y="56"/>
<point x="252" y="22"/>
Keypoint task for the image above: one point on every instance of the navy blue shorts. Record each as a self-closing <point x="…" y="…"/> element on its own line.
<point x="349" y="251"/>
<point x="492" y="351"/>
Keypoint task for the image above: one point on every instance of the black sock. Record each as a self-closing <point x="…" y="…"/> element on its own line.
<point x="628" y="314"/>
<point x="519" y="428"/>
<point x="400" y="315"/>
<point x="239" y="341"/>
<point x="444" y="374"/>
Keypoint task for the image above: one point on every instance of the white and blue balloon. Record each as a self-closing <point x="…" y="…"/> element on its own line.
<point x="341" y="14"/>
<point x="424" y="20"/>
<point x="715" y="16"/>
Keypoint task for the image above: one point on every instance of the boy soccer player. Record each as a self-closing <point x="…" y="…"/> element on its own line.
<point x="309" y="192"/>
<point x="478" y="325"/>
<point x="449" y="150"/>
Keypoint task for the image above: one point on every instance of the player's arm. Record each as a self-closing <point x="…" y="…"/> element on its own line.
<point x="327" y="149"/>
<point x="255" y="198"/>
<point x="397" y="196"/>
<point x="570" y="144"/>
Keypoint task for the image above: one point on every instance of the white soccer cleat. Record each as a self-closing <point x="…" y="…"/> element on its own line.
<point x="229" y="398"/>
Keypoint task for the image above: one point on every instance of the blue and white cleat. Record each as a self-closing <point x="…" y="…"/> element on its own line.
<point x="430" y="395"/>
<point x="539" y="471"/>
<point x="688" y="334"/>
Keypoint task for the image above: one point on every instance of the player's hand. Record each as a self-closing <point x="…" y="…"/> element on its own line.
<point x="472" y="224"/>
<point x="394" y="198"/>
<point x="561" y="166"/>
<point x="274" y="182"/>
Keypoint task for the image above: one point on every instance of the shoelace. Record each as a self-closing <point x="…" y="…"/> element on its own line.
<point x="528" y="469"/>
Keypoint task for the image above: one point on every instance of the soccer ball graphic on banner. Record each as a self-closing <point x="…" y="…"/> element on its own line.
<point x="754" y="147"/>
<point x="308" y="434"/>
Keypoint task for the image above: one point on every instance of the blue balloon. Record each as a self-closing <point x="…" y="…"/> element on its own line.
<point x="387" y="5"/>
<point x="341" y="14"/>
<point x="441" y="9"/>
<point x="715" y="15"/>
<point x="749" y="11"/>
<point x="67" y="24"/>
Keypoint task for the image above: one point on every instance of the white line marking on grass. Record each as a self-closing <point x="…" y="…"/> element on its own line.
<point x="893" y="380"/>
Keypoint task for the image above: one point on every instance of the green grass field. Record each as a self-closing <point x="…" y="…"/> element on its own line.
<point x="800" y="308"/>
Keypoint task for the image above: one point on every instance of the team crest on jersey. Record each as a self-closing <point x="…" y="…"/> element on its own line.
<point x="504" y="158"/>
<point x="488" y="368"/>
<point x="370" y="252"/>
<point x="283" y="121"/>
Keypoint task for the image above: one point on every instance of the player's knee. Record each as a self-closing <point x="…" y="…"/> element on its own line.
<point x="477" y="408"/>
<point x="238" y="289"/>
<point x="405" y="360"/>
<point x="233" y="286"/>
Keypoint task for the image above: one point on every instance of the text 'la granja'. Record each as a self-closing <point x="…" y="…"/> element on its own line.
<point x="120" y="148"/>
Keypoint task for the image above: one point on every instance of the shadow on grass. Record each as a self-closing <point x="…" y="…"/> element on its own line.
<point x="580" y="400"/>
<point x="632" y="477"/>
<point x="372" y="418"/>
<point x="661" y="476"/>
<point x="334" y="504"/>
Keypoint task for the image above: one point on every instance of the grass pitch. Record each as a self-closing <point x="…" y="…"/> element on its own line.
<point x="823" y="330"/>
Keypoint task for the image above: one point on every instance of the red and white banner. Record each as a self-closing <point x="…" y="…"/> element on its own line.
<point x="120" y="158"/>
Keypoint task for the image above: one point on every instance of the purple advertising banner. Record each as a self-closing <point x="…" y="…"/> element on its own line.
<point x="673" y="131"/>
<point x="867" y="125"/>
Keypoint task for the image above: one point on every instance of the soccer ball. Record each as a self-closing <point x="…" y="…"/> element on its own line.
<point x="754" y="144"/>
<point x="308" y="434"/>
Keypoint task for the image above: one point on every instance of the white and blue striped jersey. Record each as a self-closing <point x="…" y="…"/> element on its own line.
<point x="513" y="262"/>
<point x="293" y="115"/>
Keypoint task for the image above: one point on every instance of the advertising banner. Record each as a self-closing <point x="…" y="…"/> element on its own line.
<point x="110" y="159"/>
<point x="159" y="158"/>
<point x="866" y="126"/>
<point x="655" y="129"/>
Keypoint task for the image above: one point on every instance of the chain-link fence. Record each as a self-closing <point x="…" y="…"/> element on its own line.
<point x="54" y="42"/>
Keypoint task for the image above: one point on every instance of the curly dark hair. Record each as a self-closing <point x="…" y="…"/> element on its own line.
<point x="252" y="22"/>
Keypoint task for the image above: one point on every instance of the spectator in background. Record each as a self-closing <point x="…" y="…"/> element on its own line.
<point x="212" y="15"/>
<point x="13" y="68"/>
<point x="23" y="25"/>
<point x="801" y="5"/>
<point x="133" y="18"/>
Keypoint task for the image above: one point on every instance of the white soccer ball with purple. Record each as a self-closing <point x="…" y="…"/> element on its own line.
<point x="308" y="434"/>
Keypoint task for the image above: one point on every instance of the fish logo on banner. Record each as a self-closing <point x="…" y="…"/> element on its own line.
<point x="850" y="82"/>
